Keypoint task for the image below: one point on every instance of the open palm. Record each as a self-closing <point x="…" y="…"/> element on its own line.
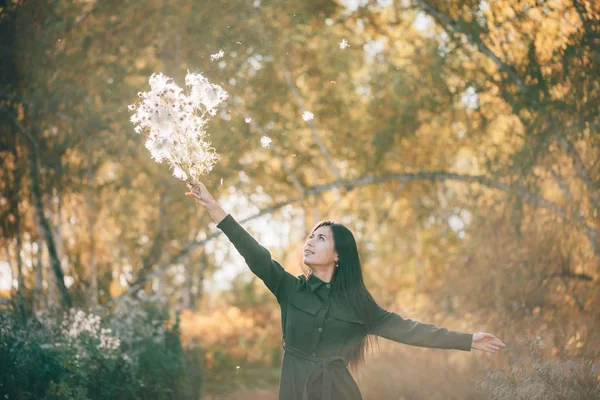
<point x="486" y="342"/>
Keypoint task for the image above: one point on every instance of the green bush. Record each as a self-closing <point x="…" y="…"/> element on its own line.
<point x="133" y="354"/>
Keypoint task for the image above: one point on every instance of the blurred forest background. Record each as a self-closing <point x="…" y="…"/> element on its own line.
<point x="459" y="140"/>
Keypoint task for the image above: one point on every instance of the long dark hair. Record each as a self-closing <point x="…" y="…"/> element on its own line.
<point x="349" y="285"/>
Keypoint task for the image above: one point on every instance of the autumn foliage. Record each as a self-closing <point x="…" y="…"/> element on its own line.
<point x="459" y="140"/>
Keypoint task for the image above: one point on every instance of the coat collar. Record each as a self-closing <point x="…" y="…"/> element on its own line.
<point x="315" y="283"/>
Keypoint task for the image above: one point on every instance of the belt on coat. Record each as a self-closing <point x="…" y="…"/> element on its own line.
<point x="322" y="367"/>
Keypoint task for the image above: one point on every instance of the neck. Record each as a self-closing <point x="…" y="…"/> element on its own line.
<point x="325" y="274"/>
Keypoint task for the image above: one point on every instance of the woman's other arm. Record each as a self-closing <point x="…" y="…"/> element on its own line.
<point x="392" y="326"/>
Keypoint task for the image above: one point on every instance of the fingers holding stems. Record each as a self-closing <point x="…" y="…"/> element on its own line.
<point x="199" y="192"/>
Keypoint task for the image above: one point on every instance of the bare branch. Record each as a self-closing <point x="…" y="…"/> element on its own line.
<point x="561" y="184"/>
<point x="452" y="27"/>
<point x="581" y="13"/>
<point x="387" y="212"/>
<point x="12" y="98"/>
<point x="572" y="275"/>
<point x="580" y="168"/>
<point x="363" y="181"/>
<point x="22" y="129"/>
<point x="516" y="16"/>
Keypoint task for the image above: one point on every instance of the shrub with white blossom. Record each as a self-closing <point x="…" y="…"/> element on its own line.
<point x="78" y="326"/>
<point x="79" y="355"/>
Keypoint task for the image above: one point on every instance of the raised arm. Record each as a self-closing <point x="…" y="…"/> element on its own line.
<point x="258" y="258"/>
<point x="392" y="326"/>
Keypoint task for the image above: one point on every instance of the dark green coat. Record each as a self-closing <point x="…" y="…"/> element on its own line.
<point x="320" y="332"/>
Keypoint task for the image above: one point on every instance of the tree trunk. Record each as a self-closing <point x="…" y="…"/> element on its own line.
<point x="38" y="289"/>
<point x="20" y="280"/>
<point x="187" y="300"/>
<point x="197" y="299"/>
<point x="36" y="192"/>
<point x="93" y="271"/>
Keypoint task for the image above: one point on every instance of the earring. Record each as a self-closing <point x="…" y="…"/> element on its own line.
<point x="337" y="263"/>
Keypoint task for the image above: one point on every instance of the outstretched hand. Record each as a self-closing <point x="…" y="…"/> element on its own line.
<point x="486" y="342"/>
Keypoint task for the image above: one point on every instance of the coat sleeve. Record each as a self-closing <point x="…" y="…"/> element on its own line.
<point x="258" y="258"/>
<point x="392" y="326"/>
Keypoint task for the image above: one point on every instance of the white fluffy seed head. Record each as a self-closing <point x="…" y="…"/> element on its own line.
<point x="174" y="122"/>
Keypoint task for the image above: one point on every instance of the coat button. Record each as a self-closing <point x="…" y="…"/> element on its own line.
<point x="328" y="286"/>
<point x="320" y="329"/>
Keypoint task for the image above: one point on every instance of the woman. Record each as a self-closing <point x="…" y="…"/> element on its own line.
<point x="328" y="318"/>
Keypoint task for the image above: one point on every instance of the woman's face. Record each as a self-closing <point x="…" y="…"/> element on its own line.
<point x="319" y="249"/>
